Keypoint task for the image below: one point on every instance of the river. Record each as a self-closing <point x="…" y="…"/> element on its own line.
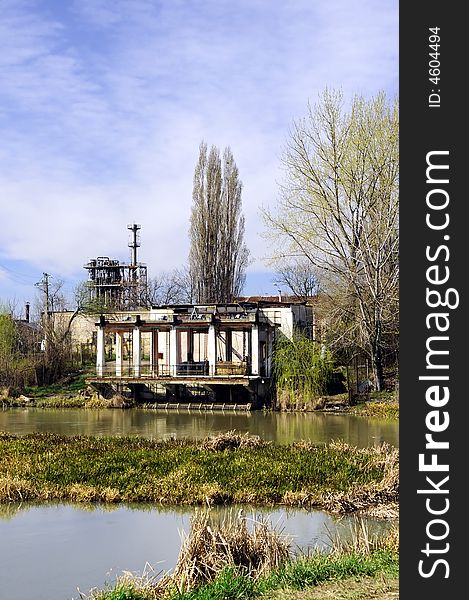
<point x="280" y="427"/>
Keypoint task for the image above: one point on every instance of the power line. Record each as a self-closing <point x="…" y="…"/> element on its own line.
<point x="17" y="276"/>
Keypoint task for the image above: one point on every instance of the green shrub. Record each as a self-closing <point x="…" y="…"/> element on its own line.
<point x="302" y="369"/>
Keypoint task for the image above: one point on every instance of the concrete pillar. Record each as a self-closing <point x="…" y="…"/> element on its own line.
<point x="229" y="345"/>
<point x="119" y="353"/>
<point x="100" y="352"/>
<point x="255" y="350"/>
<point x="212" y="350"/>
<point x="154" y="352"/>
<point x="173" y="351"/>
<point x="136" y="351"/>
<point x="270" y="352"/>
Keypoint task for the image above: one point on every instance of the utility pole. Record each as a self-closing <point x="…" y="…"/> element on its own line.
<point x="44" y="286"/>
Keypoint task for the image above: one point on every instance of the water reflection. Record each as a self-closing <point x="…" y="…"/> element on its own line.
<point x="282" y="428"/>
<point x="55" y="548"/>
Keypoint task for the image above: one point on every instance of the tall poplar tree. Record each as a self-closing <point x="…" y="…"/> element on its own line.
<point x="218" y="255"/>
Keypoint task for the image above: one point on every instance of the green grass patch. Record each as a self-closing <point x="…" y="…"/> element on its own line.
<point x="110" y="469"/>
<point x="314" y="570"/>
<point x="71" y="385"/>
<point x="231" y="584"/>
<point x="300" y="574"/>
<point x="124" y="591"/>
<point x="65" y="394"/>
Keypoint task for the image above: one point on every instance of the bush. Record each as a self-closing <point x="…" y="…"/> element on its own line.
<point x="303" y="370"/>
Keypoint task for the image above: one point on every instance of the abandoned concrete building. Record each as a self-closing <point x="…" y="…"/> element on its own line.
<point x="206" y="355"/>
<point x="195" y="354"/>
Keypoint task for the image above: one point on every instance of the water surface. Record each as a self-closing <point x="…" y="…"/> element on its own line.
<point x="50" y="551"/>
<point x="282" y="428"/>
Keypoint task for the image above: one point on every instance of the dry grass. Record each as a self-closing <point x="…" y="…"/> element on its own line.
<point x="377" y="498"/>
<point x="210" y="548"/>
<point x="147" y="585"/>
<point x="230" y="440"/>
<point x="388" y="409"/>
<point x="361" y="541"/>
<point x="78" y="492"/>
<point x="365" y="496"/>
<point x="13" y="489"/>
<point x="295" y="401"/>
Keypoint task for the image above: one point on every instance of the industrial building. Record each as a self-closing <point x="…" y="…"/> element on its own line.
<point x="115" y="284"/>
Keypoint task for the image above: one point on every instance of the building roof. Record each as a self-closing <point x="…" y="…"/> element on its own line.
<point x="281" y="299"/>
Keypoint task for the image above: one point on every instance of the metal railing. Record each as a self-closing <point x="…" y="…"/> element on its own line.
<point x="232" y="368"/>
<point x="180" y="370"/>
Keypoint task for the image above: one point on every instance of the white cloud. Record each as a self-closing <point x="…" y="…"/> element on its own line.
<point x="104" y="103"/>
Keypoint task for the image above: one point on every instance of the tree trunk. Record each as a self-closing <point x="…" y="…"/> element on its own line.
<point x="377" y="357"/>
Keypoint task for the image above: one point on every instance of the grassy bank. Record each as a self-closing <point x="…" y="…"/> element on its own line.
<point x="69" y="393"/>
<point x="229" y="561"/>
<point x="54" y="401"/>
<point x="84" y="400"/>
<point x="372" y="408"/>
<point x="73" y="392"/>
<point x="226" y="469"/>
<point x="388" y="409"/>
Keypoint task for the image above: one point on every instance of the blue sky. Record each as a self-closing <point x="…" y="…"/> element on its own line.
<point x="103" y="105"/>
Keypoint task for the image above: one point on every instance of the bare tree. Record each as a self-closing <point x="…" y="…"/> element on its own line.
<point x="233" y="253"/>
<point x="184" y="285"/>
<point x="173" y="287"/>
<point x="299" y="277"/>
<point x="339" y="209"/>
<point x="218" y="256"/>
<point x="54" y="330"/>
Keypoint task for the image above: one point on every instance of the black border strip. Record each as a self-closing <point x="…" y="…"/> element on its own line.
<point x="433" y="124"/>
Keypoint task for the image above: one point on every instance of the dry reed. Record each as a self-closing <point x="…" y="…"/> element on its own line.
<point x="257" y="551"/>
<point x="206" y="551"/>
<point x="361" y="541"/>
<point x="211" y="547"/>
<point x="148" y="585"/>
<point x="365" y="496"/>
<point x="230" y="440"/>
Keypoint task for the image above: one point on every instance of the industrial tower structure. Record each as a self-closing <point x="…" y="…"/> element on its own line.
<point x="117" y="285"/>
